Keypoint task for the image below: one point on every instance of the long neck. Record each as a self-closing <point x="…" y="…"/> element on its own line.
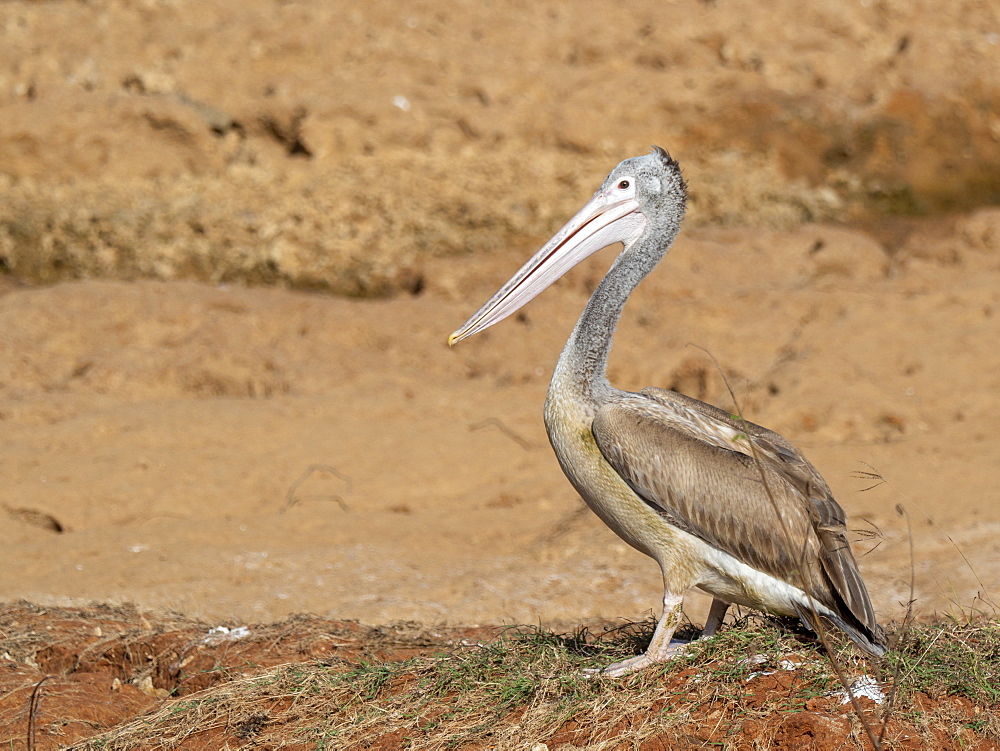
<point x="582" y="365"/>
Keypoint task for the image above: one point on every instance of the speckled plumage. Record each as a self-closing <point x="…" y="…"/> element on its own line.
<point x="720" y="503"/>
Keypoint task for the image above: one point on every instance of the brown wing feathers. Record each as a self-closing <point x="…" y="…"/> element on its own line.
<point x="706" y="480"/>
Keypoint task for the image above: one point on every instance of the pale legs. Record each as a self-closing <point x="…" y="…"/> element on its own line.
<point x="716" y="614"/>
<point x="660" y="647"/>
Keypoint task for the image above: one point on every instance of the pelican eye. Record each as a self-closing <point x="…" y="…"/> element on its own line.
<point x="623" y="185"/>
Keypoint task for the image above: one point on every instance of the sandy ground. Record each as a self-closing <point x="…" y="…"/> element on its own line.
<point x="176" y="435"/>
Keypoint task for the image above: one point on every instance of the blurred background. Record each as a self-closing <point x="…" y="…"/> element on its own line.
<point x="235" y="235"/>
<point x="338" y="145"/>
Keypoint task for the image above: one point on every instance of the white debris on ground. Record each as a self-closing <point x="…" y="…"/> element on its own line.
<point x="864" y="687"/>
<point x="759" y="659"/>
<point x="220" y="634"/>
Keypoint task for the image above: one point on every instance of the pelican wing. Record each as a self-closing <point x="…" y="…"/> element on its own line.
<point x="739" y="487"/>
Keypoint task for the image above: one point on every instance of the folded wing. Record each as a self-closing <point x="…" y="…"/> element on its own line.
<point x="742" y="489"/>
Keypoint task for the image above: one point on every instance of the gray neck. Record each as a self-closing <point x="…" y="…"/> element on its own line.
<point x="583" y="363"/>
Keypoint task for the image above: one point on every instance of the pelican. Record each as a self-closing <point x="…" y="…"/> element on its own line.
<point x="719" y="503"/>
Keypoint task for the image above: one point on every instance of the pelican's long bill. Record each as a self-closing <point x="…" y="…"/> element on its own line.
<point x="608" y="217"/>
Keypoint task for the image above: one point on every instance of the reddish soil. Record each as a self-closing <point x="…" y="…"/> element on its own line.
<point x="72" y="673"/>
<point x="69" y="674"/>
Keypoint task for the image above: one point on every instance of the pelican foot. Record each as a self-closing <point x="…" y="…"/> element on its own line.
<point x="637" y="663"/>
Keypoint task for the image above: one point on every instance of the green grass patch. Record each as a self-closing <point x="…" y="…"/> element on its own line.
<point x="950" y="658"/>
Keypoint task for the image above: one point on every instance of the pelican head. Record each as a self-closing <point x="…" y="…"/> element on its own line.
<point x="642" y="198"/>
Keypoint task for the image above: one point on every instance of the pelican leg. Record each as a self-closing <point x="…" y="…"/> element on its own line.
<point x="716" y="614"/>
<point x="660" y="648"/>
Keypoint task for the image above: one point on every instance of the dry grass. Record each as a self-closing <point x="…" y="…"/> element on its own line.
<point x="737" y="690"/>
